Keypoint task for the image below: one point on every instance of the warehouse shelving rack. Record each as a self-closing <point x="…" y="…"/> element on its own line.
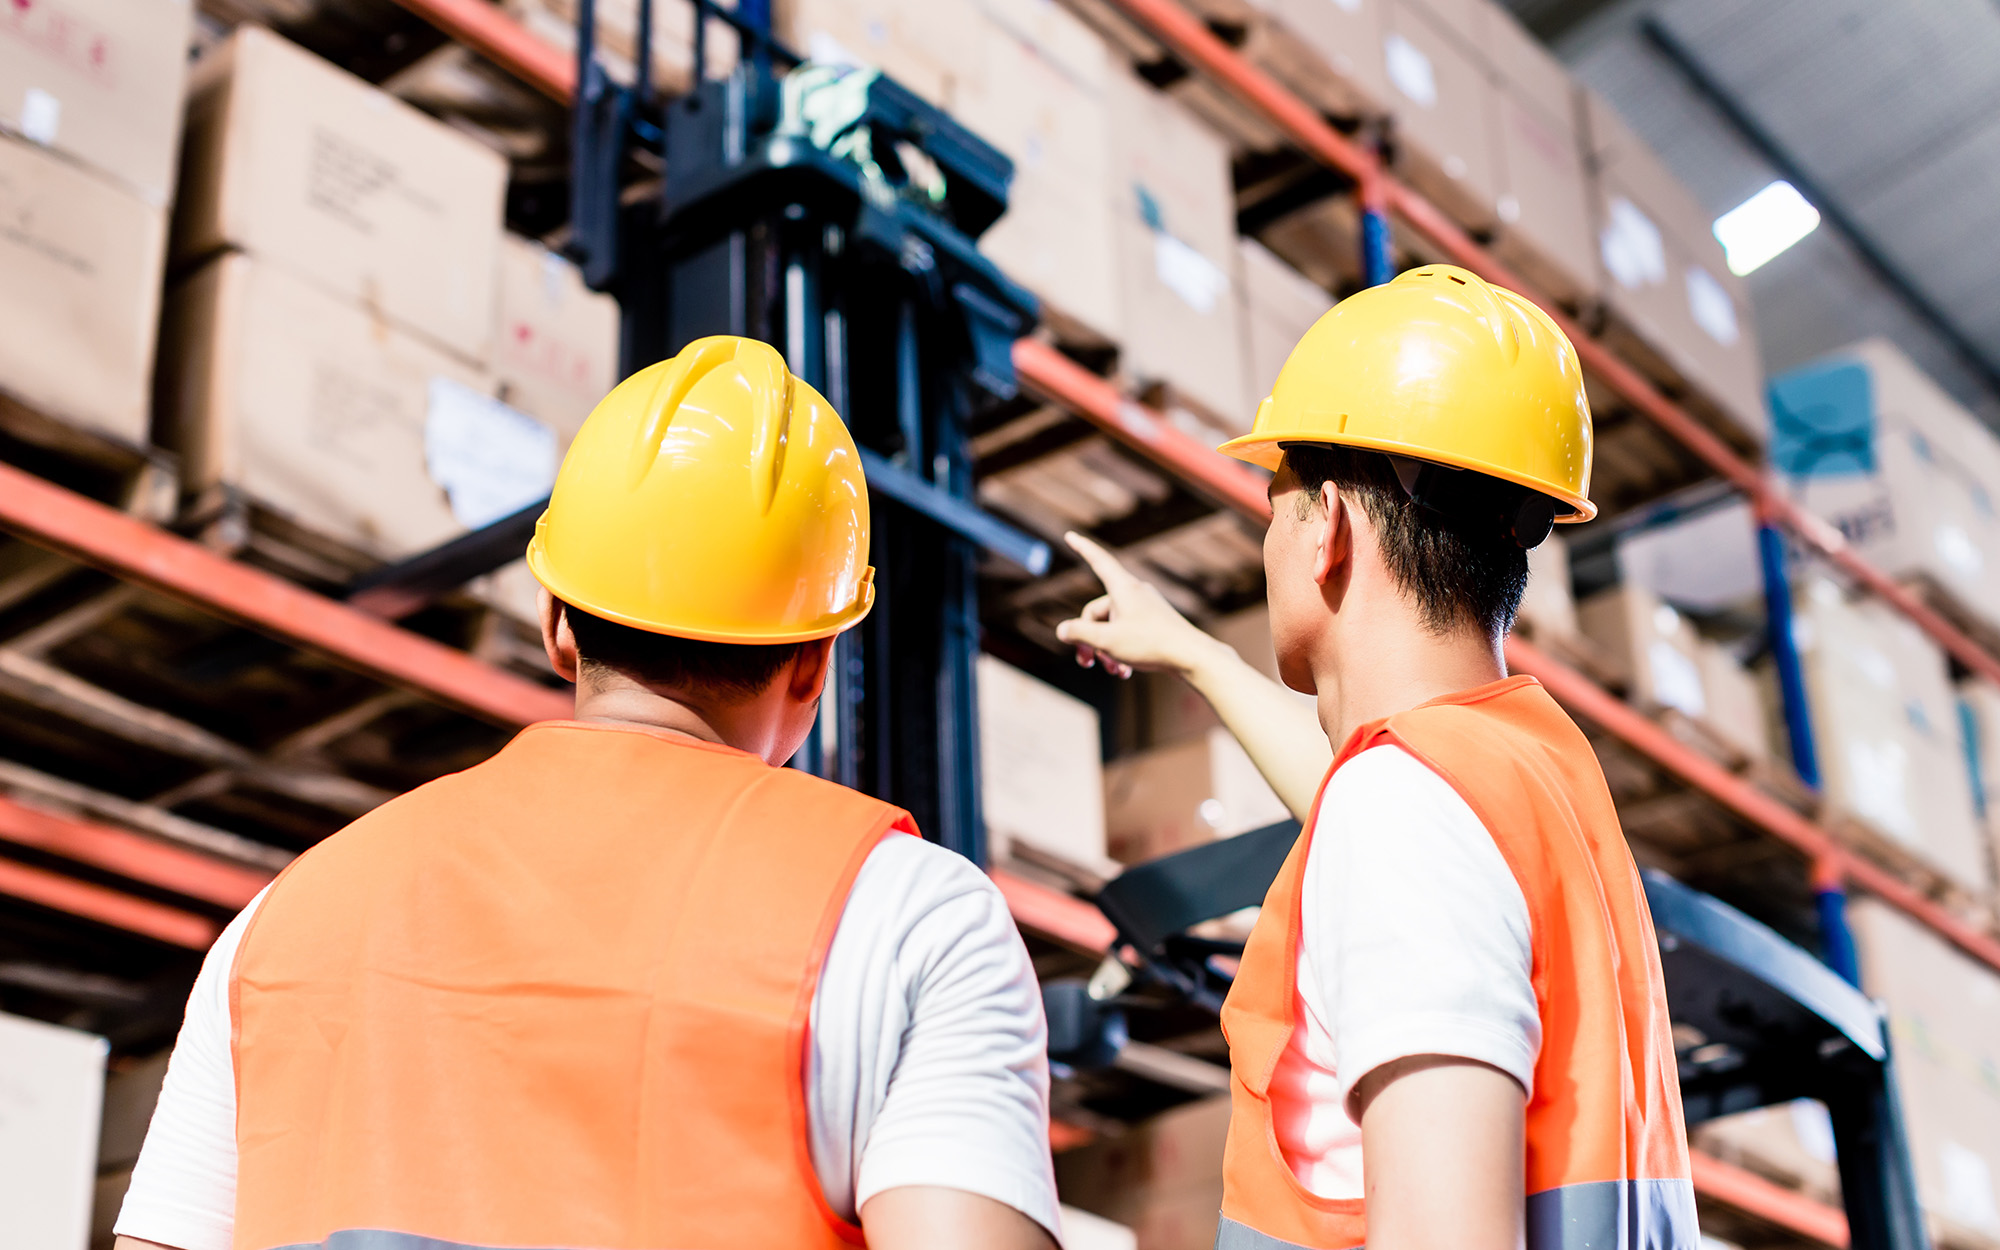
<point x="140" y="553"/>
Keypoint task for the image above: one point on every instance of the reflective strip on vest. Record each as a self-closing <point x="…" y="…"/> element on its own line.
<point x="1601" y="1215"/>
<point x="1614" y="1215"/>
<point x="380" y="1239"/>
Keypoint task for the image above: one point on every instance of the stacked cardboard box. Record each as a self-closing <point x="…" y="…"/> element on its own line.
<point x="1979" y="715"/>
<point x="1162" y="1179"/>
<point x="1944" y="1014"/>
<point x="90" y="94"/>
<point x="1443" y="102"/>
<point x="330" y="356"/>
<point x="52" y="1086"/>
<point x="931" y="48"/>
<point x="1279" y="304"/>
<point x="1341" y="71"/>
<point x="1173" y="797"/>
<point x="1666" y="665"/>
<point x="1039" y="96"/>
<point x="1864" y="439"/>
<point x="1888" y="733"/>
<point x="1544" y="198"/>
<point x="1041" y="771"/>
<point x="1174" y="239"/>
<point x="1789" y="1142"/>
<point x="554" y="22"/>
<point x="1670" y="301"/>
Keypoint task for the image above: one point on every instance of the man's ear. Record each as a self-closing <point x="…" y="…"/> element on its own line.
<point x="1335" y="542"/>
<point x="558" y="640"/>
<point x="809" y="668"/>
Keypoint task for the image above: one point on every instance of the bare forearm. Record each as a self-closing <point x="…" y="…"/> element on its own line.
<point x="932" y="1217"/>
<point x="1278" y="729"/>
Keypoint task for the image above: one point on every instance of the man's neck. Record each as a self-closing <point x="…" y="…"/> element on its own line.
<point x="1375" y="669"/>
<point x="628" y="705"/>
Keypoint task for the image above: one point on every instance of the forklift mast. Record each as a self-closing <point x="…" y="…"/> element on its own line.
<point x="832" y="213"/>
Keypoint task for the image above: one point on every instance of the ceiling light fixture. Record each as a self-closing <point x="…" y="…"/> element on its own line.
<point x="1764" y="225"/>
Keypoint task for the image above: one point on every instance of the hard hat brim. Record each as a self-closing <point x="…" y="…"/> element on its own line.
<point x="1267" y="451"/>
<point x="826" y="627"/>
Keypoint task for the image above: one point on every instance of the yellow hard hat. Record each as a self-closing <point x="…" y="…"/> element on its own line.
<point x="1443" y="367"/>
<point x="711" y="496"/>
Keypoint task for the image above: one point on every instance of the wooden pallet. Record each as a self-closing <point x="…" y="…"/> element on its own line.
<point x="1967" y="903"/>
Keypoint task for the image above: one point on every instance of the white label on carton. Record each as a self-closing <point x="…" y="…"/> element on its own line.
<point x="824" y="49"/>
<point x="490" y="459"/>
<point x="1348" y="6"/>
<point x="1711" y="307"/>
<point x="41" y="116"/>
<point x="1410" y="70"/>
<point x="1959" y="553"/>
<point x="1187" y="273"/>
<point x="1874" y="666"/>
<point x="1968" y="1187"/>
<point x="1676" y="680"/>
<point x="1635" y="254"/>
<point x="1813" y="1127"/>
<point x="1878" y="770"/>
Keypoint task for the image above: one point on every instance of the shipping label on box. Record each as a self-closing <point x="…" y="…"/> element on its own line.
<point x="100" y="81"/>
<point x="80" y="303"/>
<point x="312" y="169"/>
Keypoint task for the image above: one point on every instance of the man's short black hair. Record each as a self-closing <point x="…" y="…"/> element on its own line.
<point x="1459" y="571"/>
<point x="727" y="670"/>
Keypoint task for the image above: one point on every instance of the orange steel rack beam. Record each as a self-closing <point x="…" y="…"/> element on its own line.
<point x="63" y="521"/>
<point x="131" y="855"/>
<point x="106" y="906"/>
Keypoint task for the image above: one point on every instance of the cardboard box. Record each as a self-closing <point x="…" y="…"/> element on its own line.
<point x="1653" y="650"/>
<point x="1944" y="1014"/>
<point x="1548" y="606"/>
<point x="1544" y="199"/>
<point x="1791" y="1143"/>
<point x="1039" y="97"/>
<point x="1345" y="75"/>
<point x="1887" y="730"/>
<point x="1170" y="798"/>
<point x="1163" y="1178"/>
<point x="1443" y="104"/>
<point x="1979" y="711"/>
<point x="327" y="414"/>
<point x="1041" y="772"/>
<point x="1865" y="440"/>
<point x="99" y="81"/>
<point x="1279" y="305"/>
<point x="309" y="168"/>
<point x="554" y="21"/>
<point x="1736" y="706"/>
<point x="556" y="350"/>
<point x="1664" y="279"/>
<point x="52" y="1086"/>
<point x="81" y="300"/>
<point x="1174" y="225"/>
<point x="928" y="47"/>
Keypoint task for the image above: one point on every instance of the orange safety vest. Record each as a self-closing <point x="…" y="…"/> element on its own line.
<point x="557" y="999"/>
<point x="1607" y="1159"/>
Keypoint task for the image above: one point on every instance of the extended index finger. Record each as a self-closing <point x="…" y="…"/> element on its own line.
<point x="1109" y="569"/>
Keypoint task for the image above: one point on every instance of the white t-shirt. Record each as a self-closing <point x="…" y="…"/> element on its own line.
<point x="928" y="1063"/>
<point x="1414" y="941"/>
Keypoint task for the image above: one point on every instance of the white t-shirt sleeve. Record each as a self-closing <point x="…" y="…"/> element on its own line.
<point x="929" y="1051"/>
<point x="1414" y="927"/>
<point x="183" y="1190"/>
